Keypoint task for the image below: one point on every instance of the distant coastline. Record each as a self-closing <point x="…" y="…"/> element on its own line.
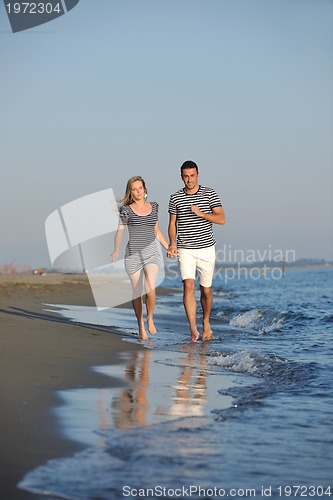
<point x="20" y="269"/>
<point x="297" y="264"/>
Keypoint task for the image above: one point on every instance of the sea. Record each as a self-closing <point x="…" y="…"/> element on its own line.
<point x="248" y="414"/>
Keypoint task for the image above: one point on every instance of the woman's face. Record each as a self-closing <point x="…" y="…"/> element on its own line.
<point x="137" y="191"/>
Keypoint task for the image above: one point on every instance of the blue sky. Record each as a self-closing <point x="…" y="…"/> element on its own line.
<point x="135" y="87"/>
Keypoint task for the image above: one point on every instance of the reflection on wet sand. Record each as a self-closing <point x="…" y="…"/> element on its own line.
<point x="190" y="391"/>
<point x="182" y="395"/>
<point x="131" y="407"/>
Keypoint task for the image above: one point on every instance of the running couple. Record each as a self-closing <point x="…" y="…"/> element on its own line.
<point x="192" y="210"/>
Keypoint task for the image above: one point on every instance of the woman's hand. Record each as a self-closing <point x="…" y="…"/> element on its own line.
<point x="114" y="255"/>
<point x="172" y="251"/>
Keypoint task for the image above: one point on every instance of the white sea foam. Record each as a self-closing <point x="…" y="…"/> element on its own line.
<point x="245" y="361"/>
<point x="258" y="320"/>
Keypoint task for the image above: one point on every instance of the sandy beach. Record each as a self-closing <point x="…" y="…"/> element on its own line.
<point x="40" y="354"/>
<point x="202" y="414"/>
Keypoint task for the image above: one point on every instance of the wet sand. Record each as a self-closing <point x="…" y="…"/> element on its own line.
<point x="42" y="353"/>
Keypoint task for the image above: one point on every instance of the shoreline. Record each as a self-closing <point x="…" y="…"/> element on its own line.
<point x="42" y="353"/>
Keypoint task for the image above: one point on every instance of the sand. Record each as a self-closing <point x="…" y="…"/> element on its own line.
<point x="40" y="354"/>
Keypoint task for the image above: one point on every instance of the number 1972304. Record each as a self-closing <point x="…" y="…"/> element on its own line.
<point x="33" y="8"/>
<point x="305" y="491"/>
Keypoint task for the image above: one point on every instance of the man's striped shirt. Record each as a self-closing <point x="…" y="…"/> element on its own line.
<point x="194" y="231"/>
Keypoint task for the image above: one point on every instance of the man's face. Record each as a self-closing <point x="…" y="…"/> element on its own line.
<point x="190" y="177"/>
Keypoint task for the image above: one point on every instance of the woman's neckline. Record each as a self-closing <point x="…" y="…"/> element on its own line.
<point x="142" y="215"/>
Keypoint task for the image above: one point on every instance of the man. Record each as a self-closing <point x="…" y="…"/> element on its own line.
<point x="193" y="210"/>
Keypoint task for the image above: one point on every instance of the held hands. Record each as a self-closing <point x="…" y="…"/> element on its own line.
<point x="172" y="251"/>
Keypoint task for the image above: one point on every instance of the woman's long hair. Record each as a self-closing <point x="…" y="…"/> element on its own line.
<point x="127" y="200"/>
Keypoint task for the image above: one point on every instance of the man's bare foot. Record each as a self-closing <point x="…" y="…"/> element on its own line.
<point x="151" y="326"/>
<point x="143" y="333"/>
<point x="195" y="335"/>
<point x="207" y="333"/>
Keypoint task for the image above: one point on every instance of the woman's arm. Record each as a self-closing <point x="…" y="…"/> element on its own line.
<point x="160" y="237"/>
<point x="117" y="240"/>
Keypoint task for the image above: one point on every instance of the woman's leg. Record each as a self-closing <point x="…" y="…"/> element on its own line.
<point x="151" y="272"/>
<point x="137" y="282"/>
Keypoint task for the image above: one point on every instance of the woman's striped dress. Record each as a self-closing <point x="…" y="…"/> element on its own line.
<point x="141" y="248"/>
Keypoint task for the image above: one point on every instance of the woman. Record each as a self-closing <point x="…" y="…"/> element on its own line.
<point x="142" y="258"/>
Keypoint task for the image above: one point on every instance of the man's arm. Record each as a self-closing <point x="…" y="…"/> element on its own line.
<point x="217" y="217"/>
<point x="172" y="232"/>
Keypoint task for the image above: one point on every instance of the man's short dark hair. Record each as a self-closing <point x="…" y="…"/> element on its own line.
<point x="189" y="164"/>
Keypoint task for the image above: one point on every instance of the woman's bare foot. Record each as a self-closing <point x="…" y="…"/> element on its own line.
<point x="151" y="326"/>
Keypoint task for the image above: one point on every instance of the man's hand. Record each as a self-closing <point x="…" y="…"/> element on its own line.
<point x="217" y="217"/>
<point x="172" y="251"/>
<point x="195" y="209"/>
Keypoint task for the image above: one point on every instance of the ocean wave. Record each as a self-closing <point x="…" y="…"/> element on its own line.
<point x="245" y="361"/>
<point x="260" y="320"/>
<point x="328" y="318"/>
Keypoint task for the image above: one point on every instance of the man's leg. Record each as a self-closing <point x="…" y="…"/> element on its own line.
<point x="190" y="306"/>
<point x="206" y="303"/>
<point x="205" y="266"/>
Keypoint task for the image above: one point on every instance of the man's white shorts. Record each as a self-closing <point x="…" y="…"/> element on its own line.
<point x="201" y="260"/>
